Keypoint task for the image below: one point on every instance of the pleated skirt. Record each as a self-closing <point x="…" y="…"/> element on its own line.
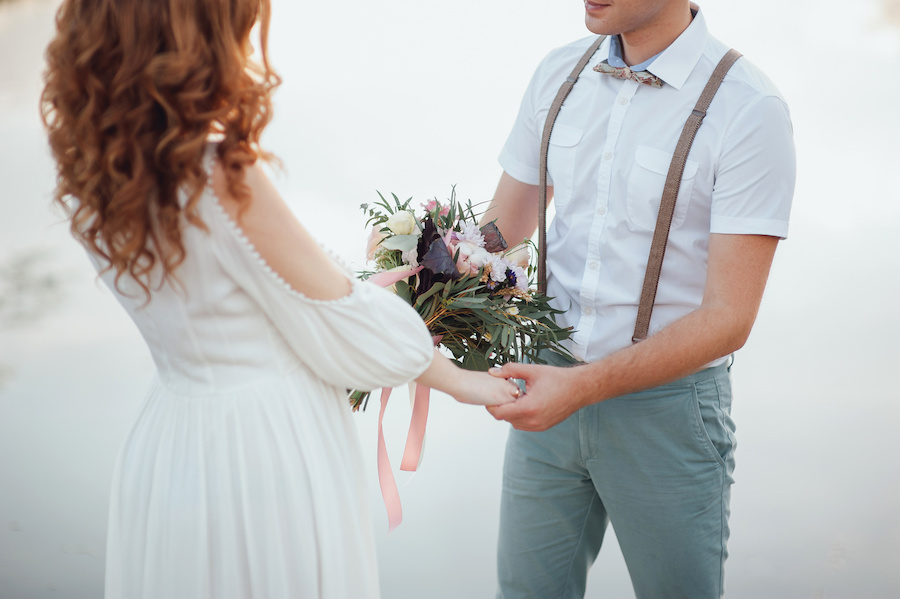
<point x="251" y="493"/>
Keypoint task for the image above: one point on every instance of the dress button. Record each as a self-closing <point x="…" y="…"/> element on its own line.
<point x="593" y="265"/>
<point x="607" y="156"/>
<point x="623" y="101"/>
<point x="601" y="210"/>
<point x="587" y="310"/>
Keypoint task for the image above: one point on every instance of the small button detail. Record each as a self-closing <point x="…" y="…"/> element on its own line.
<point x="607" y="156"/>
<point x="601" y="210"/>
<point x="593" y="265"/>
<point x="587" y="310"/>
<point x="623" y="101"/>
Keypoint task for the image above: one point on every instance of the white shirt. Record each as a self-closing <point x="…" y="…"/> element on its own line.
<point x="610" y="150"/>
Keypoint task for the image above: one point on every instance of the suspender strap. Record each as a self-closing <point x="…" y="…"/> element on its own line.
<point x="670" y="194"/>
<point x="561" y="96"/>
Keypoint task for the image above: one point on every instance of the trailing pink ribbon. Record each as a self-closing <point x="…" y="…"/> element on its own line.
<point x="412" y="453"/>
<point x="415" y="438"/>
<point x="389" y="491"/>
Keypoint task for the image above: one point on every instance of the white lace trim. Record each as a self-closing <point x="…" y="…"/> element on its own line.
<point x="254" y="253"/>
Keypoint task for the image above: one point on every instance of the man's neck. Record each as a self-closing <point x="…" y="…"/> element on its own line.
<point x="642" y="44"/>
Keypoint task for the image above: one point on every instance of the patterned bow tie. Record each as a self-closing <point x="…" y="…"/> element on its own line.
<point x="644" y="77"/>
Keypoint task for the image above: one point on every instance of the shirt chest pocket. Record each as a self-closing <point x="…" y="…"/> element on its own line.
<point x="645" y="188"/>
<point x="561" y="162"/>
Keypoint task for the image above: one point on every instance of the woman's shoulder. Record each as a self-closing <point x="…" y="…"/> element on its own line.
<point x="265" y="225"/>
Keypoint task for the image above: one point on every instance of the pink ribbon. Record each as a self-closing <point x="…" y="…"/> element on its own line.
<point x="389" y="491"/>
<point x="412" y="454"/>
<point x="415" y="439"/>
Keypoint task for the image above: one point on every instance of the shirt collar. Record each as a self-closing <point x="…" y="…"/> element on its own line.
<point x="615" y="56"/>
<point x="674" y="64"/>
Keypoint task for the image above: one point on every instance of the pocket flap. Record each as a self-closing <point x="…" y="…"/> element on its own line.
<point x="565" y="136"/>
<point x="659" y="161"/>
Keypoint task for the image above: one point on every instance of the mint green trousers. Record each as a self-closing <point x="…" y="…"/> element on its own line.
<point x="657" y="465"/>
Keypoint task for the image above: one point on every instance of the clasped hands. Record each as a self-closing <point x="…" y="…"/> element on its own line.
<point x="552" y="394"/>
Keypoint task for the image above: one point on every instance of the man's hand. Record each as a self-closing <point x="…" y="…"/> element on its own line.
<point x="736" y="278"/>
<point x="552" y="394"/>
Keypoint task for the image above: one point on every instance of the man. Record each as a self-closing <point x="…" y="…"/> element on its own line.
<point x="641" y="434"/>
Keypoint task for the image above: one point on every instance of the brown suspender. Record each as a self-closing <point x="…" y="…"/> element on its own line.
<point x="670" y="191"/>
<point x="670" y="194"/>
<point x="561" y="95"/>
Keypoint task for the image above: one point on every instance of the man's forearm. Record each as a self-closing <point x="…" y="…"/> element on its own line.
<point x="738" y="270"/>
<point x="680" y="349"/>
<point x="515" y="208"/>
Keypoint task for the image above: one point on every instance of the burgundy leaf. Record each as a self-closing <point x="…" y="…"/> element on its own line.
<point x="493" y="240"/>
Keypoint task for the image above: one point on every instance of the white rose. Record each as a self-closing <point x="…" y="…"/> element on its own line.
<point x="401" y="223"/>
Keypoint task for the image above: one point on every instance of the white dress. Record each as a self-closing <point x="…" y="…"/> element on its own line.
<point x="242" y="476"/>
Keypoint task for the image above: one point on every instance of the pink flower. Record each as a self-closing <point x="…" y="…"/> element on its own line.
<point x="472" y="234"/>
<point x="498" y="269"/>
<point x="471" y="257"/>
<point x="375" y="238"/>
<point x="430" y="206"/>
<point x="521" y="278"/>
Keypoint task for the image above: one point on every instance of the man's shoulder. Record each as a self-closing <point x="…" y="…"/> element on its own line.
<point x="744" y="73"/>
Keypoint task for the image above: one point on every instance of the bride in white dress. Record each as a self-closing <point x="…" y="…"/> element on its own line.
<point x="241" y="476"/>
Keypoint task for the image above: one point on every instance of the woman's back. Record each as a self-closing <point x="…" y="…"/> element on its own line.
<point x="226" y="319"/>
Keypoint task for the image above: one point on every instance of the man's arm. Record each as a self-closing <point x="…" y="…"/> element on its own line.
<point x="738" y="268"/>
<point x="515" y="208"/>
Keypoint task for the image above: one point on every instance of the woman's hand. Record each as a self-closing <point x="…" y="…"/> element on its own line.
<point x="481" y="389"/>
<point x="467" y="386"/>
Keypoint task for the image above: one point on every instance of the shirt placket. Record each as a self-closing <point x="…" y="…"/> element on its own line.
<point x="593" y="259"/>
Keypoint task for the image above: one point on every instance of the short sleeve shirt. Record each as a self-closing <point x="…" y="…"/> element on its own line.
<point x="609" y="154"/>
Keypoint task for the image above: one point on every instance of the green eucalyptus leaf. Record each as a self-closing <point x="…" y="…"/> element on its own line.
<point x="404" y="243"/>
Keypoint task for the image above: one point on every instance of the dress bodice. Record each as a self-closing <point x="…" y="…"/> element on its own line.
<point x="226" y="320"/>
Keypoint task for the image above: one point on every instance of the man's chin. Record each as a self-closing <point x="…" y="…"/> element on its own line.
<point x="595" y="26"/>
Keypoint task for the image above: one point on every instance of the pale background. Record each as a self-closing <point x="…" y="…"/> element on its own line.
<point x="410" y="97"/>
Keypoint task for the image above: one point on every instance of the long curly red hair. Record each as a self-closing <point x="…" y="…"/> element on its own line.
<point x="134" y="90"/>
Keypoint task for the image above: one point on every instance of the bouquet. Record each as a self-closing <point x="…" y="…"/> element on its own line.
<point x="475" y="294"/>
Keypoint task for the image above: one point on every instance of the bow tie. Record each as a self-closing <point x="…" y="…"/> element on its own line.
<point x="644" y="77"/>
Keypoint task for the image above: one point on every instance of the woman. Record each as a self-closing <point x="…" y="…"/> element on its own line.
<point x="241" y="476"/>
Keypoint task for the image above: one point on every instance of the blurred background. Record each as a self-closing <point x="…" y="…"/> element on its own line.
<point x="412" y="97"/>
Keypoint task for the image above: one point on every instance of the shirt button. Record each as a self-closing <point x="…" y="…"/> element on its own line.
<point x="587" y="310"/>
<point x="607" y="156"/>
<point x="593" y="265"/>
<point x="623" y="101"/>
<point x="601" y="210"/>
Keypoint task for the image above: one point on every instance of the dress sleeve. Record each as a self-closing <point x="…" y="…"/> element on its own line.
<point x="367" y="339"/>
